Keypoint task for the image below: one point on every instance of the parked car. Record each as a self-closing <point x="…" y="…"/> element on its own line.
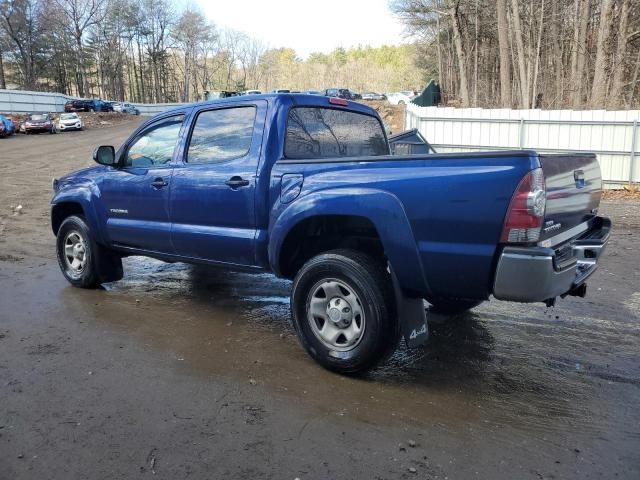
<point x="124" y="107"/>
<point x="38" y="123"/>
<point x="305" y="187"/>
<point x="280" y="90"/>
<point x="103" y="106"/>
<point x="251" y="92"/>
<point x="69" y="121"/>
<point x="313" y="92"/>
<point x="8" y="128"/>
<point x="219" y="94"/>
<point x="373" y="96"/>
<point x="91" y="105"/>
<point x="400" y="98"/>
<point x="339" y="93"/>
<point x="16" y="123"/>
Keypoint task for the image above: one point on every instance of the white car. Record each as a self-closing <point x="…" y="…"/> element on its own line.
<point x="400" y="98"/>
<point x="69" y="121"/>
<point x="251" y="92"/>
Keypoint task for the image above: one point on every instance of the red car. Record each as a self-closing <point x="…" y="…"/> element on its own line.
<point x="38" y="122"/>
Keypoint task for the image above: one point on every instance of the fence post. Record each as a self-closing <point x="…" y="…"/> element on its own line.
<point x="521" y="135"/>
<point x="632" y="157"/>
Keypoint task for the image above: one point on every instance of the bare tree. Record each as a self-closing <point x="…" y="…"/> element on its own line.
<point x="598" y="89"/>
<point x="81" y="14"/>
<point x="578" y="56"/>
<point x="505" y="60"/>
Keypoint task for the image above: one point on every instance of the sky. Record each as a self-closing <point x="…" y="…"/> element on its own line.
<point x="318" y="26"/>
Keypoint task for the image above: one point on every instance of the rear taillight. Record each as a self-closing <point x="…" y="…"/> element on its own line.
<point x="526" y="210"/>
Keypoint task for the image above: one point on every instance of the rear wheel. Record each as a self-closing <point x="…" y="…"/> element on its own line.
<point x="343" y="311"/>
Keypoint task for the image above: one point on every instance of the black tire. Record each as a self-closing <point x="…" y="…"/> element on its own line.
<point x="452" y="306"/>
<point x="88" y="276"/>
<point x="369" y="280"/>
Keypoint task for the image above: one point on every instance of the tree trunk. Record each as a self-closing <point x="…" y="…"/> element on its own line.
<point x="616" y="98"/>
<point x="578" y="54"/>
<point x="439" y="51"/>
<point x="505" y="60"/>
<point x="460" y="53"/>
<point x="3" y="83"/>
<point x="537" y="62"/>
<point x="475" y="62"/>
<point x="598" y="89"/>
<point x="522" y="63"/>
<point x="558" y="66"/>
<point x="634" y="80"/>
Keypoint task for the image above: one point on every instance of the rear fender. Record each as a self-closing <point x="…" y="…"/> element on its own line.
<point x="383" y="209"/>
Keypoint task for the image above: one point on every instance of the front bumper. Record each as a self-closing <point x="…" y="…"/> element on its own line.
<point x="75" y="126"/>
<point x="538" y="274"/>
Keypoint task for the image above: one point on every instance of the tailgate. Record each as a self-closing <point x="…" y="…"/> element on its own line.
<point x="574" y="187"/>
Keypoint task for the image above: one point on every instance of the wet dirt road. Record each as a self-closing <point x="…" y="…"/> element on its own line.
<point x="182" y="372"/>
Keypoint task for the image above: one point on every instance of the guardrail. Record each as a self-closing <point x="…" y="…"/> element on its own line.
<point x="23" y="101"/>
<point x="613" y="135"/>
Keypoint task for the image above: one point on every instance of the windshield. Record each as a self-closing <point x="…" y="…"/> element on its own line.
<point x="38" y="118"/>
<point x="68" y="116"/>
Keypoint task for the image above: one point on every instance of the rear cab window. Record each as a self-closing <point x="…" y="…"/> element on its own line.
<point x="322" y="132"/>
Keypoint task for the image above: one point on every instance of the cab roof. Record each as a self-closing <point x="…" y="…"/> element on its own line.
<point x="281" y="99"/>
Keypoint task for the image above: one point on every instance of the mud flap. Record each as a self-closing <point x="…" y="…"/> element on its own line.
<point x="109" y="264"/>
<point x="412" y="316"/>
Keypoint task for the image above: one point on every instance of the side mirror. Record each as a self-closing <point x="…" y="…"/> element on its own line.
<point x="105" y="155"/>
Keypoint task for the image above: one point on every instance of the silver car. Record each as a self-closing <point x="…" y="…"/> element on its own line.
<point x="124" y="107"/>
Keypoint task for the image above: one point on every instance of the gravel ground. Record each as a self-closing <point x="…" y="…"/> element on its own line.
<point x="182" y="372"/>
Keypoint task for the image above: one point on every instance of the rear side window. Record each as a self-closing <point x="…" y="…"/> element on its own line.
<point x="316" y="132"/>
<point x="221" y="135"/>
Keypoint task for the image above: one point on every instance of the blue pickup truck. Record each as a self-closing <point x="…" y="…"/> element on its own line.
<point x="305" y="187"/>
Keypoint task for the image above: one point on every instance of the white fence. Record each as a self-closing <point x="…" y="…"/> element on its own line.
<point x="22" y="101"/>
<point x="613" y="135"/>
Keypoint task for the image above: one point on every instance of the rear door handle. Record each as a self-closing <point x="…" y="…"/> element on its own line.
<point x="237" y="182"/>
<point x="159" y="182"/>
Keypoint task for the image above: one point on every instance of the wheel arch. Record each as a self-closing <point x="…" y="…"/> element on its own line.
<point x="378" y="212"/>
<point x="79" y="200"/>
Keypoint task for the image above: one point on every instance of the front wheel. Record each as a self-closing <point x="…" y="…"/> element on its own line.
<point x="343" y="311"/>
<point x="77" y="253"/>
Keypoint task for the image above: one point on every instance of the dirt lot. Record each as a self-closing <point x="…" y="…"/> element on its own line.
<point x="181" y="372"/>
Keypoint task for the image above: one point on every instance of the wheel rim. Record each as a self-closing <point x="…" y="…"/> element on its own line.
<point x="75" y="253"/>
<point x="335" y="315"/>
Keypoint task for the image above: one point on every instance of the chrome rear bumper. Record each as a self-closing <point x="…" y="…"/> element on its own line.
<point x="538" y="274"/>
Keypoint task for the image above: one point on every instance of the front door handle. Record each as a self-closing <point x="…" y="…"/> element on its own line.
<point x="237" y="182"/>
<point x="159" y="182"/>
